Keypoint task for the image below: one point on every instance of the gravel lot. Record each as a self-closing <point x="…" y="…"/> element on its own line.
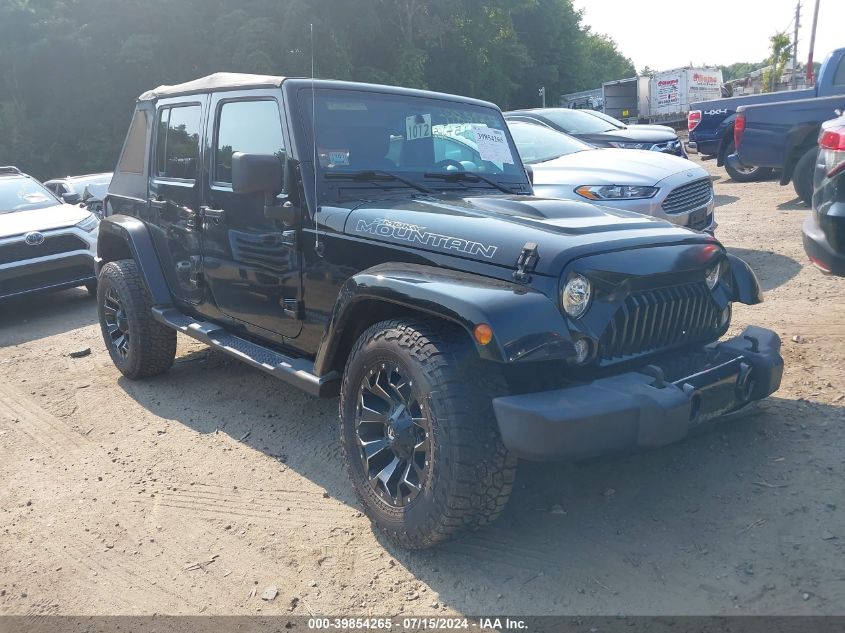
<point x="196" y="491"/>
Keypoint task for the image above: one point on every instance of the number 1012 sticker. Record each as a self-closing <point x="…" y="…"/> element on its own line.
<point x="417" y="126"/>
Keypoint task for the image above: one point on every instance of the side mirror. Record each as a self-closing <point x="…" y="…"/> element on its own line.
<point x="71" y="198"/>
<point x="256" y="173"/>
<point x="529" y="171"/>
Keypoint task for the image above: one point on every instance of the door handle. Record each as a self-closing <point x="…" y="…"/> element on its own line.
<point x="214" y="214"/>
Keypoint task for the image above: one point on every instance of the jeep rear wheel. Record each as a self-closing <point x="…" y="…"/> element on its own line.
<point x="419" y="434"/>
<point x="138" y="345"/>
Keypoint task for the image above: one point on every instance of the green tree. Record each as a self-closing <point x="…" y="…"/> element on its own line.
<point x="780" y="55"/>
<point x="72" y="69"/>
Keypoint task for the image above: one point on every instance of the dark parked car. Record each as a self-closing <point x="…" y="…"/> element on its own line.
<point x="625" y="126"/>
<point x="317" y="231"/>
<point x="600" y="132"/>
<point x="824" y="230"/>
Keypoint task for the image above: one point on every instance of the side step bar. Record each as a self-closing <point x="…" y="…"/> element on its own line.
<point x="298" y="372"/>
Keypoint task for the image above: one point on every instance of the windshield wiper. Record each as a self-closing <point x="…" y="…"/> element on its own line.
<point x="374" y="175"/>
<point x="467" y="176"/>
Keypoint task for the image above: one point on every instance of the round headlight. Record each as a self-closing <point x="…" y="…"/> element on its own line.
<point x="712" y="276"/>
<point x="575" y="296"/>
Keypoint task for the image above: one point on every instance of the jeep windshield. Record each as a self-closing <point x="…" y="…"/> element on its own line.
<point x="23" y="194"/>
<point x="416" y="139"/>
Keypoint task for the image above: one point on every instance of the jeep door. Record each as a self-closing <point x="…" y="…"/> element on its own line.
<point x="174" y="194"/>
<point x="251" y="263"/>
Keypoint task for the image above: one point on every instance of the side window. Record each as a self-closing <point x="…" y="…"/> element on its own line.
<point x="177" y="142"/>
<point x="251" y="127"/>
<point x="839" y="77"/>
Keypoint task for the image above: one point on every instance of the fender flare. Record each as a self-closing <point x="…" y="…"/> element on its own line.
<point x="746" y="287"/>
<point x="134" y="234"/>
<point x="465" y="299"/>
<point x="726" y="133"/>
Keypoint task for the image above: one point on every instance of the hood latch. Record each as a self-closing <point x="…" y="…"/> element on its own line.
<point x="526" y="262"/>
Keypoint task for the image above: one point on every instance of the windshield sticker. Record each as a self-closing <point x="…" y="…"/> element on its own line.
<point x="334" y="157"/>
<point x="492" y="145"/>
<point x="32" y="198"/>
<point x="347" y="106"/>
<point x="419" y="235"/>
<point x="417" y="126"/>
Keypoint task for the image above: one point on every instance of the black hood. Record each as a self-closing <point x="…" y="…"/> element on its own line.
<point x="494" y="229"/>
<point x="629" y="135"/>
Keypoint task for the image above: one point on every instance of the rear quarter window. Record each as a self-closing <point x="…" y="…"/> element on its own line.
<point x="132" y="159"/>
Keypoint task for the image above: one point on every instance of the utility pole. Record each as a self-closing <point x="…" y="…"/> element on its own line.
<point x="542" y="93"/>
<point x="811" y="79"/>
<point x="794" y="80"/>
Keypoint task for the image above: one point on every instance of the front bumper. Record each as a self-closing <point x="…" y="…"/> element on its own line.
<point x="644" y="408"/>
<point x="54" y="271"/>
<point x="820" y="250"/>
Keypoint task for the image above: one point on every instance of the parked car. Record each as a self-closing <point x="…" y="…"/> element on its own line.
<point x="93" y="197"/>
<point x="824" y="230"/>
<point x="598" y="132"/>
<point x="650" y="183"/>
<point x="71" y="189"/>
<point x="711" y="123"/>
<point x="637" y="126"/>
<point x="463" y="321"/>
<point x="784" y="135"/>
<point x="45" y="244"/>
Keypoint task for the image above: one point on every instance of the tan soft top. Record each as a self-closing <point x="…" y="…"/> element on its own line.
<point x="217" y="81"/>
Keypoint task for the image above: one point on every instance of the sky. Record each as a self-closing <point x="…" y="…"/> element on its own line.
<point x="666" y="34"/>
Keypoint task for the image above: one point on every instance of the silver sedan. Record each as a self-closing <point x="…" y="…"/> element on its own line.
<point x="651" y="183"/>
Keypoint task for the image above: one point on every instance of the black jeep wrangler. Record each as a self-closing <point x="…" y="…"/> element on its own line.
<point x="329" y="234"/>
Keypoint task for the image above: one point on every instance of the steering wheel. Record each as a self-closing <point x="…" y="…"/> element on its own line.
<point x="448" y="162"/>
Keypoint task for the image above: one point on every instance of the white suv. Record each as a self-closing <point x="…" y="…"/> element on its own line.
<point x="45" y="244"/>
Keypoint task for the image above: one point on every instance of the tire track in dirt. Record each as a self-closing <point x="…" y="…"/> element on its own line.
<point x="271" y="505"/>
<point x="23" y="412"/>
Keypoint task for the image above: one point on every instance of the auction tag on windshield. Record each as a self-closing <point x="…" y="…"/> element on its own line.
<point x="492" y="145"/>
<point x="417" y="126"/>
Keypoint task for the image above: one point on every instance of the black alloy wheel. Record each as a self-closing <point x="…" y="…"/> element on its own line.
<point x="393" y="435"/>
<point x="116" y="323"/>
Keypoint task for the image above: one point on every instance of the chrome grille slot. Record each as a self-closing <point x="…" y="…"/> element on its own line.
<point x="688" y="197"/>
<point x="660" y="319"/>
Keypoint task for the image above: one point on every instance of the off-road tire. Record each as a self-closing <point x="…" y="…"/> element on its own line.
<point x="471" y="474"/>
<point x="751" y="174"/>
<point x="802" y="176"/>
<point x="152" y="346"/>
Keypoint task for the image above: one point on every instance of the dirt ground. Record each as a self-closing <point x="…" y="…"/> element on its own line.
<point x="195" y="491"/>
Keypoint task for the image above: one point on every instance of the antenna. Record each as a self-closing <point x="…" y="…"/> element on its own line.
<point x="317" y="246"/>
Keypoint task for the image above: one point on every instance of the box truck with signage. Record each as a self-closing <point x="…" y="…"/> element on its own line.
<point x="664" y="97"/>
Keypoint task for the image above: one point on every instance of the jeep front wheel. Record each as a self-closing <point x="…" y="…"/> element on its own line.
<point x="138" y="345"/>
<point x="419" y="434"/>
